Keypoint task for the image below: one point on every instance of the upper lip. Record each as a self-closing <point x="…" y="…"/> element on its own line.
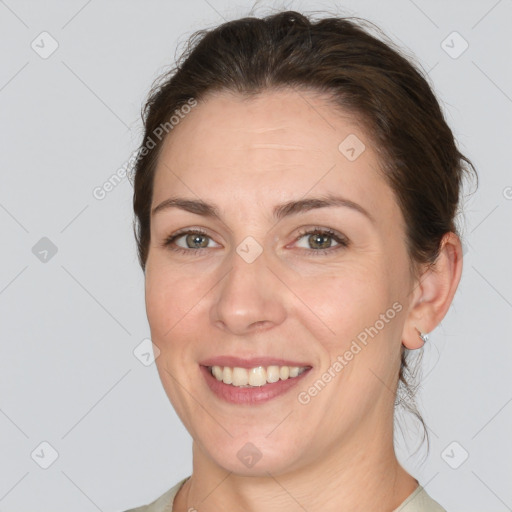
<point x="252" y="362"/>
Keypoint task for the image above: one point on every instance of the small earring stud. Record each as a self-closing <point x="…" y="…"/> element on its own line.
<point x="423" y="336"/>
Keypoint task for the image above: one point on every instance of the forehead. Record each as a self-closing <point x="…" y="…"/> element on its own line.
<point x="289" y="122"/>
<point x="269" y="148"/>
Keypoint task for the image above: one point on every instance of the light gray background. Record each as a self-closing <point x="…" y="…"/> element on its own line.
<point x="69" y="326"/>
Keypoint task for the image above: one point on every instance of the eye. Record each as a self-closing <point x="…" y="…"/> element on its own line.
<point x="315" y="241"/>
<point x="188" y="241"/>
<point x="321" y="240"/>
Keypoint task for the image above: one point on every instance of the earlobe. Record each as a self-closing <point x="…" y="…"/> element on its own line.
<point x="434" y="293"/>
<point x="414" y="338"/>
<point x="423" y="335"/>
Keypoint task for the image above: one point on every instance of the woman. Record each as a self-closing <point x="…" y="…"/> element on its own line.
<point x="295" y="196"/>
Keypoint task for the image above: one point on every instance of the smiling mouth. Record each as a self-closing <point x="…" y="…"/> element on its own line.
<point x="257" y="376"/>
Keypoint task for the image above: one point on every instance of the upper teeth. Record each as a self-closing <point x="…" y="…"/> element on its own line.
<point x="258" y="376"/>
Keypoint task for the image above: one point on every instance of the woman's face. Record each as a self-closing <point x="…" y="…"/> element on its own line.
<point x="300" y="261"/>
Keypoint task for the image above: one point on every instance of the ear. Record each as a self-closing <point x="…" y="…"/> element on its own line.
<point x="433" y="292"/>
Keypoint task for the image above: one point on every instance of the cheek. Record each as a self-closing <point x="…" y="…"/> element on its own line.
<point x="355" y="311"/>
<point x="172" y="297"/>
<point x="345" y="299"/>
<point x="171" y="303"/>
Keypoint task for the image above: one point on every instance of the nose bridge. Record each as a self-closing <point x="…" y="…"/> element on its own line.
<point x="249" y="294"/>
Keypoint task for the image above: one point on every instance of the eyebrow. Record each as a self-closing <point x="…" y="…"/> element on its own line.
<point x="200" y="207"/>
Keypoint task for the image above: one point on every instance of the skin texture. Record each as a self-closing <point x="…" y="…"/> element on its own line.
<point x="246" y="156"/>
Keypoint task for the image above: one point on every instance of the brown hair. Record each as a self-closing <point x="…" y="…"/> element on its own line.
<point x="362" y="75"/>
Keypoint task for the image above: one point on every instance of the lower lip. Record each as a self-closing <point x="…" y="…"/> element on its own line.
<point x="253" y="395"/>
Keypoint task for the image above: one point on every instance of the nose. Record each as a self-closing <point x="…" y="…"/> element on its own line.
<point x="249" y="298"/>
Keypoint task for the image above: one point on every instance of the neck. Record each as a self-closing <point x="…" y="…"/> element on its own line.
<point x="354" y="475"/>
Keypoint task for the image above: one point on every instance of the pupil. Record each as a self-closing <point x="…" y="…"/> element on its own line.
<point x="316" y="241"/>
<point x="195" y="240"/>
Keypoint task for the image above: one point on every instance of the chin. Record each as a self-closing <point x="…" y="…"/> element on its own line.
<point x="255" y="455"/>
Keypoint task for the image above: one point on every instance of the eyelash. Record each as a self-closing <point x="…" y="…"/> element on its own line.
<point x="341" y="240"/>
